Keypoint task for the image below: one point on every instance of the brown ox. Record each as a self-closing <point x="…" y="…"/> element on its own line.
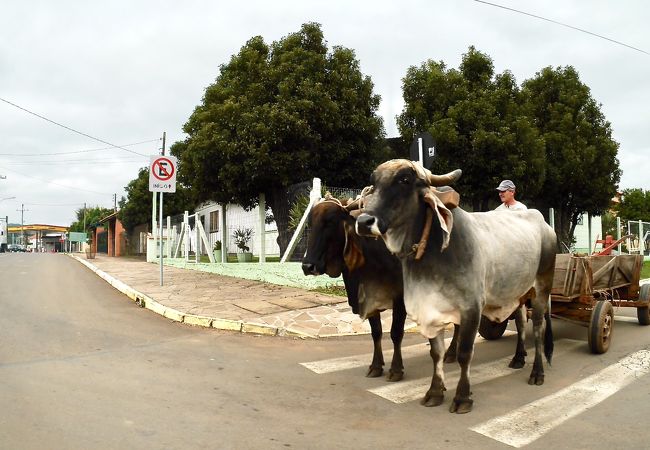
<point x="372" y="276"/>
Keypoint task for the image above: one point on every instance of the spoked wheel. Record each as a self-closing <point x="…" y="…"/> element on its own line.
<point x="600" y="327"/>
<point x="643" y="312"/>
<point x="491" y="330"/>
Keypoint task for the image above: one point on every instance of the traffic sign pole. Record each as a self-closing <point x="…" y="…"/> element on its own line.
<point x="160" y="219"/>
<point x="162" y="178"/>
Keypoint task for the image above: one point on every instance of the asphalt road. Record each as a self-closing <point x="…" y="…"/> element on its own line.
<point x="82" y="367"/>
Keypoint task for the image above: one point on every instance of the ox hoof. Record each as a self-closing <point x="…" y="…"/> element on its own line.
<point x="536" y="379"/>
<point x="517" y="363"/>
<point x="394" y="375"/>
<point x="432" y="399"/>
<point x="461" y="406"/>
<point x="374" y="372"/>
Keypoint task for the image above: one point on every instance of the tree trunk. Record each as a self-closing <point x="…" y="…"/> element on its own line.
<point x="279" y="202"/>
<point x="564" y="228"/>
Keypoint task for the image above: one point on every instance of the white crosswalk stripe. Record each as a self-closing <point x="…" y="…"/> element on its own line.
<point x="408" y="391"/>
<point x="626" y="319"/>
<point x="362" y="360"/>
<point x="355" y="361"/>
<point x="528" y="423"/>
<point x="525" y="424"/>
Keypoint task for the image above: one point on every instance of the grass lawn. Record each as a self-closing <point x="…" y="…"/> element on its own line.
<point x="232" y="258"/>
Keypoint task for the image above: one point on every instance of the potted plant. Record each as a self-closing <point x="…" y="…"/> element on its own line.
<point x="242" y="237"/>
<point x="216" y="250"/>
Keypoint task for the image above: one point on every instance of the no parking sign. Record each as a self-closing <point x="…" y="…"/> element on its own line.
<point x="162" y="174"/>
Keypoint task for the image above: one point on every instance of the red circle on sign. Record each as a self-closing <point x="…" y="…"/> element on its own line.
<point x="160" y="171"/>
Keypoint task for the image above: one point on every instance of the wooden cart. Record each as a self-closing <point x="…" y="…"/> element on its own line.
<point x="586" y="289"/>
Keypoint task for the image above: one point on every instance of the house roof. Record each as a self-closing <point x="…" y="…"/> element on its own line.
<point x="107" y="218"/>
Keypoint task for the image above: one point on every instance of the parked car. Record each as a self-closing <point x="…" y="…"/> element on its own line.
<point x="15" y="248"/>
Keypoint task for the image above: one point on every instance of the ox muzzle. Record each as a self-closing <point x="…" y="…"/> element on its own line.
<point x="309" y="268"/>
<point x="369" y="225"/>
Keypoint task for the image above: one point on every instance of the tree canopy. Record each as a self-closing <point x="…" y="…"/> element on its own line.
<point x="478" y="122"/>
<point x="90" y="216"/>
<point x="281" y="114"/>
<point x="634" y="205"/>
<point x="549" y="136"/>
<point x="582" y="168"/>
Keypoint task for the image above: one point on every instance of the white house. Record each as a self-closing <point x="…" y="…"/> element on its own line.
<point x="211" y="216"/>
<point x="584" y="240"/>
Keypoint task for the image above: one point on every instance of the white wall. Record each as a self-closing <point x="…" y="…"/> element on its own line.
<point x="238" y="217"/>
<point x="583" y="243"/>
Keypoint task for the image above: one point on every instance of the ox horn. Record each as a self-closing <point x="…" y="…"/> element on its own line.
<point x="444" y="180"/>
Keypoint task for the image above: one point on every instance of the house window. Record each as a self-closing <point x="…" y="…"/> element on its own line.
<point x="214" y="221"/>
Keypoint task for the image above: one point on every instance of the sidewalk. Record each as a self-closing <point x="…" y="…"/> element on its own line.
<point x="204" y="298"/>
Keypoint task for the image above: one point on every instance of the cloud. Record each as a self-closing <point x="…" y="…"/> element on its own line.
<point x="124" y="72"/>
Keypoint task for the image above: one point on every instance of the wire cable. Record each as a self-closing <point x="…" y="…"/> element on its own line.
<point x="78" y="151"/>
<point x="68" y="128"/>
<point x="54" y="183"/>
<point x="563" y="24"/>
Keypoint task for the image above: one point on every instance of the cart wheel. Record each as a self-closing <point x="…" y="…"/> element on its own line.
<point x="643" y="313"/>
<point x="600" y="327"/>
<point x="491" y="330"/>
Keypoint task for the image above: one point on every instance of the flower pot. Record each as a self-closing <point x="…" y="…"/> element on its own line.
<point x="244" y="257"/>
<point x="217" y="256"/>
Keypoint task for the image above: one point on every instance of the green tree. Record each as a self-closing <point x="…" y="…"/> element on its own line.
<point x="582" y="169"/>
<point x="478" y="123"/>
<point x="90" y="216"/>
<point x="634" y="205"/>
<point x="135" y="209"/>
<point x="280" y="114"/>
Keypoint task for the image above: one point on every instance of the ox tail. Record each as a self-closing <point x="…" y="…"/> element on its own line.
<point x="548" y="338"/>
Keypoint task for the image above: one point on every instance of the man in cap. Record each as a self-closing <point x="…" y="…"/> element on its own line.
<point x="507" y="196"/>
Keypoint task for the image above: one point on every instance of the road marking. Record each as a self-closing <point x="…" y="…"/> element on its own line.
<point x="363" y="360"/>
<point x="626" y="319"/>
<point x="407" y="391"/>
<point x="528" y="423"/>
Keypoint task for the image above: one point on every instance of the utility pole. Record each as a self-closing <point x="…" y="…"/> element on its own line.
<point x="84" y="217"/>
<point x="115" y="202"/>
<point x="22" y="223"/>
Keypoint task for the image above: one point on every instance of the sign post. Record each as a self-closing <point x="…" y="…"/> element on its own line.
<point x="162" y="178"/>
<point x="423" y="149"/>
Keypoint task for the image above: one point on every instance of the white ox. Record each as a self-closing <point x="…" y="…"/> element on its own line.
<point x="460" y="265"/>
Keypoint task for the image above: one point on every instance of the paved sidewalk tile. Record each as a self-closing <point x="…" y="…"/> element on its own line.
<point x="225" y="302"/>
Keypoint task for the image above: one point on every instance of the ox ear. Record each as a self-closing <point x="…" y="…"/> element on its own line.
<point x="445" y="216"/>
<point x="352" y="254"/>
<point x="448" y="196"/>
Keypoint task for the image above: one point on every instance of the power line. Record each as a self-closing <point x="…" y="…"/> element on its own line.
<point x="68" y="128"/>
<point x="54" y="205"/>
<point x="563" y="24"/>
<point x="78" y="151"/>
<point x="73" y="162"/>
<point x="56" y="184"/>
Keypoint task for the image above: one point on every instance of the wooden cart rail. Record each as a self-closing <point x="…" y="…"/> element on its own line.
<point x="585" y="291"/>
<point x="581" y="278"/>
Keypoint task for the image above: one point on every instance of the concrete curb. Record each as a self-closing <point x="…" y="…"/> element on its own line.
<point x="147" y="302"/>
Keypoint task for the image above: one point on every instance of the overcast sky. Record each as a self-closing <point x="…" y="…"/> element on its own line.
<point x="125" y="71"/>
